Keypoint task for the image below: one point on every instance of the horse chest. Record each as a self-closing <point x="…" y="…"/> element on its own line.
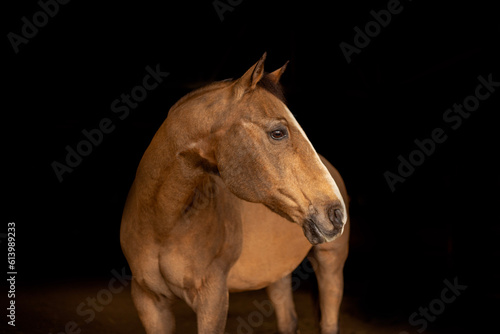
<point x="203" y="242"/>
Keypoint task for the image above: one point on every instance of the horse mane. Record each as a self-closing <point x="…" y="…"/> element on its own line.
<point x="272" y="87"/>
<point x="275" y="88"/>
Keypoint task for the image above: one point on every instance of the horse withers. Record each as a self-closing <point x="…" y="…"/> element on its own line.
<point x="209" y="210"/>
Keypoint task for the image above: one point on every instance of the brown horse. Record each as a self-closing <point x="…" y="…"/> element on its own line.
<point x="209" y="210"/>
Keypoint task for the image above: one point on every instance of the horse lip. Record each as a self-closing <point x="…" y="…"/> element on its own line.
<point x="316" y="235"/>
<point x="313" y="233"/>
<point x="317" y="230"/>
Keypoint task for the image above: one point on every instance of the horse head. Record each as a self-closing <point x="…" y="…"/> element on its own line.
<point x="250" y="138"/>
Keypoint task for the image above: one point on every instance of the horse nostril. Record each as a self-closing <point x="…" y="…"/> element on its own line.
<point x="336" y="216"/>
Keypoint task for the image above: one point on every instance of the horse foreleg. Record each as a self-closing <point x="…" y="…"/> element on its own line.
<point x="154" y="311"/>
<point x="329" y="272"/>
<point x="211" y="305"/>
<point x="280" y="294"/>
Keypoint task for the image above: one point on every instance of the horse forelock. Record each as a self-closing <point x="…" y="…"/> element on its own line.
<point x="272" y="87"/>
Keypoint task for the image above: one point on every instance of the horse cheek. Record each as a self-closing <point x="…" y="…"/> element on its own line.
<point x="238" y="169"/>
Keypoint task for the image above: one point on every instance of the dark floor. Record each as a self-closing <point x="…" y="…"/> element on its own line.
<point x="58" y="308"/>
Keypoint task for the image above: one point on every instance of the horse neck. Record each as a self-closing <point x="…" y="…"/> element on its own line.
<point x="166" y="183"/>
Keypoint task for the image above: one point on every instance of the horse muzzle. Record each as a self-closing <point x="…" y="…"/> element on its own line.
<point x="319" y="228"/>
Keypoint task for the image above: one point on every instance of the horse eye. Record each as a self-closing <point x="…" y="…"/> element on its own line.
<point x="278" y="134"/>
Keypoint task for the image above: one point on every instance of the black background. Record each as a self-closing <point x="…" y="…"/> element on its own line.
<point x="441" y="223"/>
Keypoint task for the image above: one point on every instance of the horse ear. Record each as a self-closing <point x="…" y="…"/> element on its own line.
<point x="251" y="77"/>
<point x="276" y="75"/>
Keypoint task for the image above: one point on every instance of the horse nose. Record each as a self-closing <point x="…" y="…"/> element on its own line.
<point x="336" y="215"/>
<point x="325" y="225"/>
